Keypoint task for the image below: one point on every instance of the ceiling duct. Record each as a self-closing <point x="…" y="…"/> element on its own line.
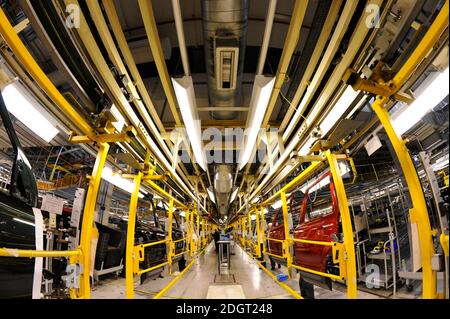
<point x="224" y="31"/>
<point x="223" y="184"/>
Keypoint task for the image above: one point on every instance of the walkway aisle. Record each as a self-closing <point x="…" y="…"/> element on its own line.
<point x="195" y="283"/>
<point x="255" y="283"/>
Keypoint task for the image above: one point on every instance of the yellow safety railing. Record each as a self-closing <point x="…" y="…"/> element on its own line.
<point x="283" y="247"/>
<point x="337" y="257"/>
<point x="26" y="253"/>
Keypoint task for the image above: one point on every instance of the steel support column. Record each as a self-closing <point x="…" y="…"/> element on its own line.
<point x="258" y="233"/>
<point x="88" y="219"/>
<point x="130" y="237"/>
<point x="286" y="250"/>
<point x="346" y="221"/>
<point x="419" y="211"/>
<point x="171" y="247"/>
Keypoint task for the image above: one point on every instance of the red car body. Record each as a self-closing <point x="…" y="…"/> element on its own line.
<point x="276" y="231"/>
<point x="316" y="223"/>
<point x="321" y="225"/>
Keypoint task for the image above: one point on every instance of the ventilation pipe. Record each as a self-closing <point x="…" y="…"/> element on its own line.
<point x="225" y="32"/>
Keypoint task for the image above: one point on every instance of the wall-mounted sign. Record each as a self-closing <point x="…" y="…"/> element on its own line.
<point x="373" y="144"/>
<point x="52" y="204"/>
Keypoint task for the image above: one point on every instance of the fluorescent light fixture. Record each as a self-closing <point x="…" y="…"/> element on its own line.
<point x="432" y="95"/>
<point x="306" y="147"/>
<point x="441" y="163"/>
<point x="160" y="205"/>
<point x="277" y="204"/>
<point x="27" y="110"/>
<point x="118" y="181"/>
<point x="234" y="194"/>
<point x="255" y="200"/>
<point x="343" y="168"/>
<point x="339" y="108"/>
<point x="23" y="221"/>
<point x="184" y="91"/>
<point x="262" y="89"/>
<point x="211" y="195"/>
<point x="119" y="124"/>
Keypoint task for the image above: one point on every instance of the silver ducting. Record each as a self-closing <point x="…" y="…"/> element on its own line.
<point x="224" y="32"/>
<point x="223" y="183"/>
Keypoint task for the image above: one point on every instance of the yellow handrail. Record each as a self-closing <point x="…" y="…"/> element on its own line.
<point x="313" y="242"/>
<point x="152" y="268"/>
<point x="26" y="253"/>
<point x="320" y="273"/>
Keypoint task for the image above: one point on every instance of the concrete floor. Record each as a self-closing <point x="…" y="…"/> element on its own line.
<point x="198" y="283"/>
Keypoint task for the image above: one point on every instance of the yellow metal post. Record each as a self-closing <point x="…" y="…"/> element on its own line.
<point x="346" y="226"/>
<point x="250" y="233"/>
<point x="258" y="233"/>
<point x="286" y="250"/>
<point x="191" y="225"/>
<point x="198" y="232"/>
<point x="88" y="219"/>
<point x="419" y="212"/>
<point x="263" y="233"/>
<point x="130" y="237"/>
<point x="244" y="233"/>
<point x="203" y="233"/>
<point x="171" y="248"/>
<point x="187" y="217"/>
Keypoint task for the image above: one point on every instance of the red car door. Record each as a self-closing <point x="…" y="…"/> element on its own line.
<point x="319" y="220"/>
<point x="276" y="231"/>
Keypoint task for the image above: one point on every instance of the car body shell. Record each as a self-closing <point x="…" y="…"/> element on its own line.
<point x="322" y="228"/>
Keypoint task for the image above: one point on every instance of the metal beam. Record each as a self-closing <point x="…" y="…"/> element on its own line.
<point x="327" y="29"/>
<point x="180" y="35"/>
<point x="339" y="31"/>
<point x="271" y="10"/>
<point x="116" y="28"/>
<point x="130" y="236"/>
<point x="290" y="44"/>
<point x="88" y="219"/>
<point x="148" y="17"/>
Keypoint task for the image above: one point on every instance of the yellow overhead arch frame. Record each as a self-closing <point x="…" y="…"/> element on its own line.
<point x="419" y="211"/>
